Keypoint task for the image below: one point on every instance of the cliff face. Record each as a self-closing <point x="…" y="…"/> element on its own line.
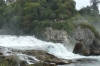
<point x="84" y="35"/>
<point x="56" y="35"/>
<point x="87" y="43"/>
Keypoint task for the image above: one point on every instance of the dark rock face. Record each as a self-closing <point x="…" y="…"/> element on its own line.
<point x="87" y="42"/>
<point x="78" y="48"/>
<point x="95" y="48"/>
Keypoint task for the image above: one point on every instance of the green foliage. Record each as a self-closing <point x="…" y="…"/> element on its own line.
<point x="67" y="26"/>
<point x="7" y="61"/>
<point x="90" y="15"/>
<point x="2" y="9"/>
<point x="31" y="17"/>
<point x="94" y="5"/>
<point x="31" y="10"/>
<point x="35" y="27"/>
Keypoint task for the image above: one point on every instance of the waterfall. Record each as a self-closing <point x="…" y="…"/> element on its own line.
<point x="32" y="43"/>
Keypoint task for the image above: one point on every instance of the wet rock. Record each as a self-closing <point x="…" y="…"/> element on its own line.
<point x="46" y="57"/>
<point x="23" y="63"/>
<point x="5" y="51"/>
<point x="44" y="64"/>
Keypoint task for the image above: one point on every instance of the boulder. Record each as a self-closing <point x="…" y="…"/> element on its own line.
<point x="80" y="49"/>
<point x="84" y="35"/>
<point x="87" y="44"/>
<point x="34" y="56"/>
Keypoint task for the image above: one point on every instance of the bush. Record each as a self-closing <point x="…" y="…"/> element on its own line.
<point x="67" y="26"/>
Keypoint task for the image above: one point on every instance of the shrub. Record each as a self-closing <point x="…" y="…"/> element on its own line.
<point x="66" y="25"/>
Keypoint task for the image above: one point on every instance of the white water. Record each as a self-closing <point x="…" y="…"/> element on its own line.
<point x="30" y="42"/>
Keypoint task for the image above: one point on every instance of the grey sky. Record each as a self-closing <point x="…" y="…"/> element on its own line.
<point x="82" y="3"/>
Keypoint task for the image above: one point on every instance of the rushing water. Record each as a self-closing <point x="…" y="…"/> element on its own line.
<point x="57" y="49"/>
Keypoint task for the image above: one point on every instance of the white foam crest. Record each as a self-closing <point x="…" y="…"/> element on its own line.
<point x="24" y="42"/>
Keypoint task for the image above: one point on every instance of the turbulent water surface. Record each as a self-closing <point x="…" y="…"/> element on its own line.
<point x="57" y="49"/>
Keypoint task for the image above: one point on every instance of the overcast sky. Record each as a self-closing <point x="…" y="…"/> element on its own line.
<point x="82" y="3"/>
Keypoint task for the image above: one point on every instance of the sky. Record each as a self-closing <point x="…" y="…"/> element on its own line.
<point x="82" y="3"/>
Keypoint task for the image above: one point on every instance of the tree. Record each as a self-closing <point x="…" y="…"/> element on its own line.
<point x="94" y="5"/>
<point x="31" y="11"/>
<point x="2" y="8"/>
<point x="85" y="10"/>
<point x="54" y="5"/>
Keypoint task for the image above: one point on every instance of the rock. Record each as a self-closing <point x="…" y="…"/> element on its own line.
<point x="78" y="48"/>
<point x="44" y="64"/>
<point x="84" y="35"/>
<point x="56" y="35"/>
<point x="23" y="63"/>
<point x="87" y="44"/>
<point x="4" y="50"/>
<point x="46" y="57"/>
<point x="7" y="61"/>
<point x="95" y="48"/>
<point x="10" y="56"/>
<point x="1" y="53"/>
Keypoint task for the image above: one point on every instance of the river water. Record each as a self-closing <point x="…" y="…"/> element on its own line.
<point x="57" y="49"/>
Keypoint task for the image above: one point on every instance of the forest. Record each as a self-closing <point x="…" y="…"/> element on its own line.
<point x="31" y="17"/>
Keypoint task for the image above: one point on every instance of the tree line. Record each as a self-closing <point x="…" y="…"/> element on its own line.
<point x="31" y="17"/>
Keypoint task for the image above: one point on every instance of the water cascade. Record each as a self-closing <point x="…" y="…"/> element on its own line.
<point x="32" y="43"/>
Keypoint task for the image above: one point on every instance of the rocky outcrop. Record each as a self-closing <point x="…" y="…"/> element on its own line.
<point x="56" y="35"/>
<point x="46" y="57"/>
<point x="25" y="57"/>
<point x="87" y="44"/>
<point x="44" y="64"/>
